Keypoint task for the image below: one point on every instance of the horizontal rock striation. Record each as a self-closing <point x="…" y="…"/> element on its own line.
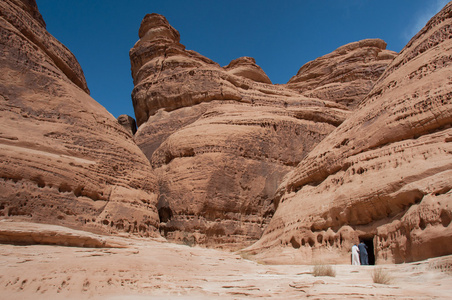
<point x="345" y="75"/>
<point x="26" y="233"/>
<point x="24" y="16"/>
<point x="219" y="139"/>
<point x="246" y="67"/>
<point x="63" y="158"/>
<point x="384" y="175"/>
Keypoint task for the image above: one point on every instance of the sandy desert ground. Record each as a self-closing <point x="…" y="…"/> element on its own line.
<point x="155" y="269"/>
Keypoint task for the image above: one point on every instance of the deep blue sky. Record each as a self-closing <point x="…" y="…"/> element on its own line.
<point x="281" y="35"/>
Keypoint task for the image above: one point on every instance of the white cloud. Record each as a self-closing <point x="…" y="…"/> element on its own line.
<point x="423" y="17"/>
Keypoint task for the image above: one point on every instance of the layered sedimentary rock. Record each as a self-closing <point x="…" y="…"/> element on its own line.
<point x="385" y="174"/>
<point x="63" y="158"/>
<point x="220" y="139"/>
<point x="28" y="233"/>
<point x="345" y="75"/>
<point x="24" y="16"/>
<point x="246" y="67"/>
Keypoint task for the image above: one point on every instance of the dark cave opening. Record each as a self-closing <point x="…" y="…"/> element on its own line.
<point x="369" y="242"/>
<point x="165" y="214"/>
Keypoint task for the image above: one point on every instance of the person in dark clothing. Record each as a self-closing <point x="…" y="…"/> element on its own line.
<point x="363" y="257"/>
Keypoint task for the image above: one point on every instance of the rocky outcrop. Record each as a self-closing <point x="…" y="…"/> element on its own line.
<point x="219" y="139"/>
<point x="63" y="158"/>
<point x="24" y="16"/>
<point x="27" y="233"/>
<point x="385" y="174"/>
<point x="345" y="75"/>
<point x="350" y="148"/>
<point x="128" y="123"/>
<point x="246" y="67"/>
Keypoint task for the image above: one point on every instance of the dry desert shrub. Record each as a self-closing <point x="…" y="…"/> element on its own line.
<point x="382" y="276"/>
<point x="323" y="270"/>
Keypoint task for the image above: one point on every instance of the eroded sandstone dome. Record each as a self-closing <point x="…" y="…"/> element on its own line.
<point x="356" y="145"/>
<point x="222" y="139"/>
<point x="385" y="174"/>
<point x="345" y="75"/>
<point x="63" y="158"/>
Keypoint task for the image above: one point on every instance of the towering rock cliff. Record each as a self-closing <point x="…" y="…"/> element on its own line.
<point x="385" y="174"/>
<point x="63" y="158"/>
<point x="221" y="139"/>
<point x="356" y="145"/>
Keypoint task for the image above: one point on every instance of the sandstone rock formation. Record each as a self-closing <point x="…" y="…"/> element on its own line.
<point x="385" y="174"/>
<point x="128" y="123"/>
<point x="63" y="158"/>
<point x="346" y="75"/>
<point x="24" y="16"/>
<point x="246" y="67"/>
<point x="222" y="148"/>
<point x="28" y="233"/>
<point x="221" y="139"/>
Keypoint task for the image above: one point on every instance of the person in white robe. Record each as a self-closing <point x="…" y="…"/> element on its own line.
<point x="355" y="255"/>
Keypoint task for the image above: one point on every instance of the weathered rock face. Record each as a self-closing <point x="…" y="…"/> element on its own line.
<point x="219" y="139"/>
<point x="28" y="233"/>
<point x="128" y="123"/>
<point x="24" y="16"/>
<point x="63" y="158"/>
<point x="246" y="67"/>
<point x="385" y="174"/>
<point x="346" y="75"/>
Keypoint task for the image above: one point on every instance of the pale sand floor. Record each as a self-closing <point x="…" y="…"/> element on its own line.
<point x="159" y="270"/>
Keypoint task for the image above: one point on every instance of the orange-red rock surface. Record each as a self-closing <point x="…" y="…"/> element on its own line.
<point x="356" y="145"/>
<point x="345" y="75"/>
<point x="63" y="158"/>
<point x="385" y="174"/>
<point x="221" y="139"/>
